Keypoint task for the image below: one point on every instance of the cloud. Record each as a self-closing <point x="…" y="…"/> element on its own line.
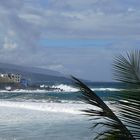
<point x="25" y="23"/>
<point x="80" y="19"/>
<point x="9" y="45"/>
<point x="56" y="67"/>
<point x="92" y="19"/>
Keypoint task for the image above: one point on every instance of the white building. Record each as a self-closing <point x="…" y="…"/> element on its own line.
<point x="10" y="78"/>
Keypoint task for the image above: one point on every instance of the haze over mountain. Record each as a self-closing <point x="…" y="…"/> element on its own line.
<point x="34" y="74"/>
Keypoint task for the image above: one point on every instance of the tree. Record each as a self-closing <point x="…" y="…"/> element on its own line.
<point x="124" y="125"/>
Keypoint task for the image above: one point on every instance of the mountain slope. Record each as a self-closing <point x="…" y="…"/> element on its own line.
<point x="33" y="74"/>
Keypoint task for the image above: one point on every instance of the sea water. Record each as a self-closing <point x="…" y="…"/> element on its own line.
<point x="48" y="115"/>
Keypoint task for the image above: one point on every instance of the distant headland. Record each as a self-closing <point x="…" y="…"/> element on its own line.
<point x="16" y="76"/>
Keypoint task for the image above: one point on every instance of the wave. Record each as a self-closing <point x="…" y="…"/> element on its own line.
<point x="52" y="107"/>
<point x="48" y="107"/>
<point x="24" y="91"/>
<point x="68" y="88"/>
<point x="65" y="88"/>
<point x="54" y="88"/>
<point x="106" y="89"/>
<point x="60" y="88"/>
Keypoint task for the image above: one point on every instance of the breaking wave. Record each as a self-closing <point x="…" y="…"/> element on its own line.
<point x="71" y="108"/>
<point x="48" y="107"/>
<point x="106" y="89"/>
<point x="66" y="88"/>
<point x="58" y="88"/>
<point x="62" y="88"/>
<point x="24" y="91"/>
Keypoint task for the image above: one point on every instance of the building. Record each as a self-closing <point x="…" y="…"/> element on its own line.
<point x="10" y="78"/>
<point x="24" y="83"/>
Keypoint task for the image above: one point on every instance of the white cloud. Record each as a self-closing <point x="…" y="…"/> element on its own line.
<point x="131" y="9"/>
<point x="57" y="67"/>
<point x="72" y="19"/>
<point x="9" y="44"/>
<point x="31" y="18"/>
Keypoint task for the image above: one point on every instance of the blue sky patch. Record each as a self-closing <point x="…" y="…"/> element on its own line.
<point x="74" y="43"/>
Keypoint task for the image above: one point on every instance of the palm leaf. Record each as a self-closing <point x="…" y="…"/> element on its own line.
<point x="127" y="70"/>
<point x="125" y="125"/>
<point x="115" y="128"/>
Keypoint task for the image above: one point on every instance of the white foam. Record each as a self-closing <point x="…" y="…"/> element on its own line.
<point x="23" y="91"/>
<point x="57" y="88"/>
<point x="65" y="88"/>
<point x="69" y="88"/>
<point x="48" y="107"/>
<point x="70" y="108"/>
<point x="106" y="89"/>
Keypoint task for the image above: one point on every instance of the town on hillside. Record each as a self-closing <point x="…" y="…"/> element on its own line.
<point x="11" y="81"/>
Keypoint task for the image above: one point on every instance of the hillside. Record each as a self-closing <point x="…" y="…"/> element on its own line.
<point x="33" y="74"/>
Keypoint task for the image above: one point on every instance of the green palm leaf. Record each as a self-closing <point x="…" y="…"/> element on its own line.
<point x="127" y="70"/>
<point x="115" y="128"/>
<point x="124" y="125"/>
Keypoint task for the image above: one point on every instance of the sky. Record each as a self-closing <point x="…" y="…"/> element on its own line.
<point x="74" y="37"/>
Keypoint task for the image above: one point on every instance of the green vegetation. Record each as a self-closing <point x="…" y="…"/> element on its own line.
<point x="124" y="124"/>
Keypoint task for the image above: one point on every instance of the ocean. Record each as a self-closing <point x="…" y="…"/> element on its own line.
<point x="49" y="115"/>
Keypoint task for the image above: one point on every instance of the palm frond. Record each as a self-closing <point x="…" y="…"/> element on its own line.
<point x="127" y="69"/>
<point x="128" y="104"/>
<point x="125" y="124"/>
<point x="115" y="128"/>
